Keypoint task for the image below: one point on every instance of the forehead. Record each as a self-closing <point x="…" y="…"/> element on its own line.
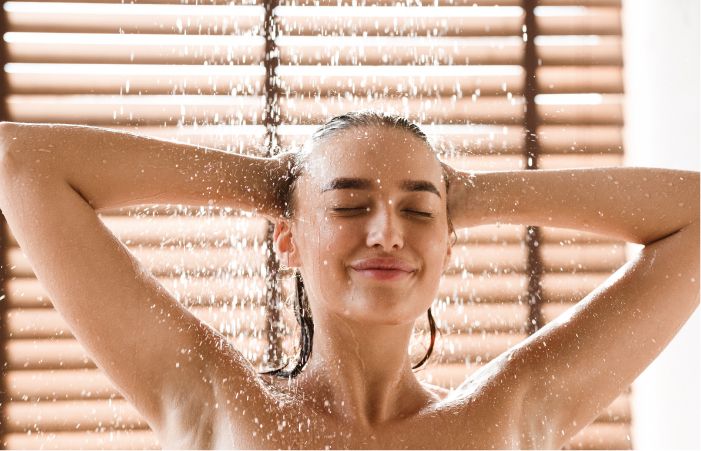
<point x="384" y="154"/>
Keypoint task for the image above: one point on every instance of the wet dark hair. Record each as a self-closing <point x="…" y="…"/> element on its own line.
<point x="333" y="126"/>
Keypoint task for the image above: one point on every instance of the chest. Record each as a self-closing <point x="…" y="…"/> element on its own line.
<point x="297" y="429"/>
<point x="238" y="419"/>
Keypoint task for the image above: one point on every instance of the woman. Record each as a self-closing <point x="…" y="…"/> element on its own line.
<point x="368" y="192"/>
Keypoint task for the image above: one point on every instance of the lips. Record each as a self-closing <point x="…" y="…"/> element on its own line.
<point x="381" y="264"/>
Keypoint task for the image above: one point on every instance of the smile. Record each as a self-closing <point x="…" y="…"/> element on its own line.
<point x="384" y="274"/>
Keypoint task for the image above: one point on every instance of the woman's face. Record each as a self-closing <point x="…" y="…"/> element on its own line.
<point x="369" y="192"/>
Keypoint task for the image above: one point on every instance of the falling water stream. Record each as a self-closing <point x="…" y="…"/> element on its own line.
<point x="345" y="62"/>
<point x="455" y="69"/>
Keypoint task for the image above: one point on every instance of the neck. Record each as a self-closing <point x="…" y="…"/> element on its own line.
<point x="361" y="372"/>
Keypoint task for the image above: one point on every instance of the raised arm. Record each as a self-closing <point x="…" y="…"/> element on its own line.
<point x="110" y="168"/>
<point x="168" y="364"/>
<point x="638" y="205"/>
<point x="577" y="364"/>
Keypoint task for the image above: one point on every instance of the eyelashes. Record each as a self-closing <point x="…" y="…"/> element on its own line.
<point x="423" y="214"/>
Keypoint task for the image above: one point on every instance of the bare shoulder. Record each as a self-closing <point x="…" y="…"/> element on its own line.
<point x="233" y="414"/>
<point x="487" y="410"/>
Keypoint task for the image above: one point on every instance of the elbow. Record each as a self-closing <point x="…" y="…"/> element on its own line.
<point x="696" y="190"/>
<point x="13" y="146"/>
<point x="5" y="132"/>
<point x="6" y="127"/>
<point x="7" y="137"/>
<point x="693" y="188"/>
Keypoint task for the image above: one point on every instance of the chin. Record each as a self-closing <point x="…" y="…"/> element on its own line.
<point x="381" y="313"/>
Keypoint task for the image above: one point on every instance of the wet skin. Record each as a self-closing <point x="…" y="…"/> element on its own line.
<point x="358" y="389"/>
<point x="275" y="414"/>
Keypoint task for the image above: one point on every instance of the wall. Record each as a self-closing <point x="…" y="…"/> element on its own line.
<point x="661" y="61"/>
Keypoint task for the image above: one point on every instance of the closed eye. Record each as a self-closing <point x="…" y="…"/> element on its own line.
<point x="420" y="213"/>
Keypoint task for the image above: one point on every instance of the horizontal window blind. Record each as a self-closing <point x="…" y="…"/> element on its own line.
<point x="212" y="73"/>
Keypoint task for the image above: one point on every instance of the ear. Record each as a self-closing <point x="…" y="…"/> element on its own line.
<point x="284" y="242"/>
<point x="446" y="259"/>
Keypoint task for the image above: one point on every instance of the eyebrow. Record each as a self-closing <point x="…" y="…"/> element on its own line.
<point x="360" y="183"/>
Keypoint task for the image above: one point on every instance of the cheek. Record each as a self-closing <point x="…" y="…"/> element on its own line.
<point x="329" y="246"/>
<point x="336" y="241"/>
<point x="326" y="246"/>
<point x="433" y="246"/>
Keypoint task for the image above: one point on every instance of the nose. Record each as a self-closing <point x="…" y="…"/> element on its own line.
<point x="384" y="229"/>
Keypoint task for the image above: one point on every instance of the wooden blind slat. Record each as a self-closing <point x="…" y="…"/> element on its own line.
<point x="151" y="110"/>
<point x="580" y="51"/>
<point x="172" y="2"/>
<point x="133" y="18"/>
<point x="492" y="143"/>
<point x="113" y="439"/>
<point x="202" y="262"/>
<point x="606" y="79"/>
<point x="570" y="139"/>
<point x="602" y="436"/>
<point x="483" y="109"/>
<point x="429" y="80"/>
<point x="580" y="161"/>
<point x="115" y="110"/>
<point x="367" y="2"/>
<point x="601" y="114"/>
<point x="135" y="78"/>
<point x="586" y="3"/>
<point x="54" y="354"/>
<point x="133" y="48"/>
<point x="390" y="20"/>
<point x="214" y="230"/>
<point x="65" y="384"/>
<point x="81" y="415"/>
<point x="47" y="323"/>
<point x="441" y="2"/>
<point x="211" y="290"/>
<point x="578" y="20"/>
<point x="304" y="50"/>
<point x="399" y="50"/>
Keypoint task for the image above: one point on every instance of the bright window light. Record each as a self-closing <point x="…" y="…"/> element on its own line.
<point x="133" y="69"/>
<point x="559" y="11"/>
<point x="398" y="41"/>
<point x="131" y="39"/>
<point x="403" y="71"/>
<point x="149" y="100"/>
<point x="571" y="40"/>
<point x="569" y="99"/>
<point x="133" y="9"/>
<point x="344" y="12"/>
